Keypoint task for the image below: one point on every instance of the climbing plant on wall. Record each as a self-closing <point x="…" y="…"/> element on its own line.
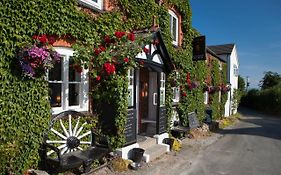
<point x="24" y="104"/>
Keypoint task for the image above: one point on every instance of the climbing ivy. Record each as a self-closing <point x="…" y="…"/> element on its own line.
<point x="24" y="104"/>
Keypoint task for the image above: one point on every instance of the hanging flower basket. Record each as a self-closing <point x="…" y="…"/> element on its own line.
<point x="35" y="59"/>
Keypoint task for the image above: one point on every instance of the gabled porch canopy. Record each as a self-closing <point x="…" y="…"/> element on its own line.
<point x="157" y="58"/>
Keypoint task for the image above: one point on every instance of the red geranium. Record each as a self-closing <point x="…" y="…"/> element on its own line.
<point x="109" y="68"/>
<point x="126" y="60"/>
<point x="184" y="94"/>
<point x="131" y="36"/>
<point x="119" y="34"/>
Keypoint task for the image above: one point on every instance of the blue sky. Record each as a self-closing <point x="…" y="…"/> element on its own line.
<point x="253" y="25"/>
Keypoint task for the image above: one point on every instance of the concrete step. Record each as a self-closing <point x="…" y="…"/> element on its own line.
<point x="154" y="151"/>
<point x="148" y="142"/>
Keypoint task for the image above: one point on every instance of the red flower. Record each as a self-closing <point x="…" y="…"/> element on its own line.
<point x="97" y="51"/>
<point x="131" y="36"/>
<point x="145" y="50"/>
<point x="43" y="39"/>
<point x="126" y="60"/>
<point x="102" y="48"/>
<point x="119" y="34"/>
<point x="109" y="68"/>
<point x="107" y="39"/>
<point x="98" y="78"/>
<point x="35" y="37"/>
<point x="184" y="94"/>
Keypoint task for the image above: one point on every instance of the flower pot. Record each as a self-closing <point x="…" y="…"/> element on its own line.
<point x="137" y="154"/>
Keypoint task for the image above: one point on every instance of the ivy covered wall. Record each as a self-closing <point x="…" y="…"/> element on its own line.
<point x="24" y="104"/>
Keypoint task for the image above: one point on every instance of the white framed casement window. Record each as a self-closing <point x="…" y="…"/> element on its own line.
<point x="162" y="88"/>
<point x="206" y="97"/>
<point x="68" y="89"/>
<point x="174" y="27"/>
<point x="131" y="89"/>
<point x="96" y="4"/>
<point x="176" y="94"/>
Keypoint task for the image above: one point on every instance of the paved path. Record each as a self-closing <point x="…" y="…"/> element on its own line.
<point x="251" y="147"/>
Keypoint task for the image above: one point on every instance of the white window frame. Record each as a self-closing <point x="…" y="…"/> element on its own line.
<point x="206" y="97"/>
<point x="83" y="88"/>
<point x="176" y="94"/>
<point x="173" y="15"/>
<point x="96" y="5"/>
<point x="131" y="78"/>
<point x="162" y="88"/>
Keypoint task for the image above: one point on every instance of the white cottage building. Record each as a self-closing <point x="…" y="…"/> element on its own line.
<point x="228" y="52"/>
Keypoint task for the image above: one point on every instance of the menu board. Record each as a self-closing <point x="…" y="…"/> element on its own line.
<point x="162" y="123"/>
<point x="130" y="128"/>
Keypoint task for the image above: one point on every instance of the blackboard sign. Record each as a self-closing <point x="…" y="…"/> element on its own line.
<point x="199" y="48"/>
<point x="193" y="121"/>
<point x="130" y="128"/>
<point x="162" y="122"/>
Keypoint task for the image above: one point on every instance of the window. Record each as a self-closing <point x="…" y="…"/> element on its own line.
<point x="174" y="29"/>
<point x="131" y="88"/>
<point x="206" y="97"/>
<point x="176" y="90"/>
<point x="235" y="70"/>
<point x="97" y="4"/>
<point x="176" y="94"/>
<point x="162" y="89"/>
<point x="68" y="88"/>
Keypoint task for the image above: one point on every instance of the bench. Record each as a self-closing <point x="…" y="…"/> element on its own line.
<point x="179" y="131"/>
<point x="177" y="128"/>
<point x="70" y="143"/>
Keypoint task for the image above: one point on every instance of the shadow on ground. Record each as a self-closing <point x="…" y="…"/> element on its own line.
<point x="255" y="123"/>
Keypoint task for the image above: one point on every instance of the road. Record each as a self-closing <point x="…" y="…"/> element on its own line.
<point x="251" y="147"/>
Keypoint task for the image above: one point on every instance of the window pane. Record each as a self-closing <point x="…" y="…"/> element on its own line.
<point x="74" y="72"/>
<point x="96" y="1"/>
<point x="174" y="34"/>
<point x="55" y="72"/>
<point x="55" y="94"/>
<point x="73" y="94"/>
<point x="130" y="97"/>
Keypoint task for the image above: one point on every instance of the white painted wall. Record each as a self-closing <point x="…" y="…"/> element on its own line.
<point x="232" y="78"/>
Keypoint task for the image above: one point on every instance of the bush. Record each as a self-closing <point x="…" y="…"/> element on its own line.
<point x="268" y="100"/>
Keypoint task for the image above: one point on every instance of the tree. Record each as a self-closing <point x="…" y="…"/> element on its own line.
<point x="241" y="84"/>
<point x="270" y="79"/>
